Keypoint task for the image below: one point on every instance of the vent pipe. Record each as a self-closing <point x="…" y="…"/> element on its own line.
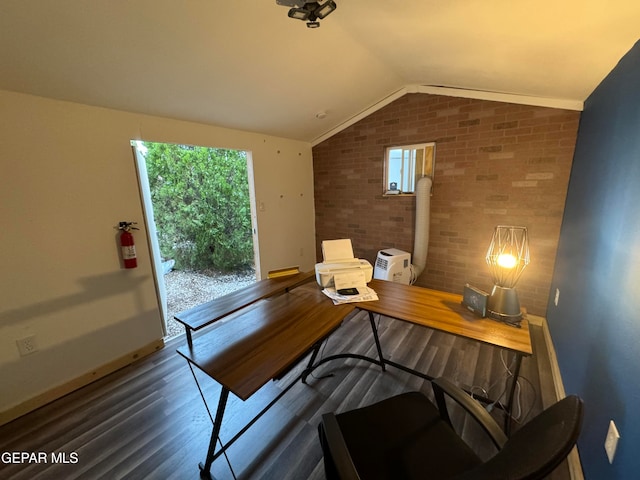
<point x="421" y="239"/>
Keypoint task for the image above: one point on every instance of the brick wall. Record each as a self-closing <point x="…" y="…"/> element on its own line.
<point x="496" y="164"/>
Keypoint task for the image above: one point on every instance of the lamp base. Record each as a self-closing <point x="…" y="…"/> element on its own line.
<point x="503" y="305"/>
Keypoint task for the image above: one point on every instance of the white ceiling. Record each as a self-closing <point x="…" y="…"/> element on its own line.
<point x="244" y="64"/>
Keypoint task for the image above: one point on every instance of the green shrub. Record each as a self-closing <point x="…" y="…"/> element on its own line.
<point x="201" y="206"/>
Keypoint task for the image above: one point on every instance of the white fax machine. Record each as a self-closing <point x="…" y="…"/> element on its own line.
<point x="339" y="261"/>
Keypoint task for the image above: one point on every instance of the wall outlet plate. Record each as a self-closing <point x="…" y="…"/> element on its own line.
<point x="611" y="442"/>
<point x="27" y="345"/>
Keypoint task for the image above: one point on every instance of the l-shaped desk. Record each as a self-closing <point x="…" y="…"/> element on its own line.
<point x="257" y="334"/>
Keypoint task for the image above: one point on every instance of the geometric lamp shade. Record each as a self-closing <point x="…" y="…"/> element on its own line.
<point x="508" y="255"/>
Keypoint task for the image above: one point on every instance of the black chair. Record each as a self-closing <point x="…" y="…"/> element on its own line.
<point x="408" y="437"/>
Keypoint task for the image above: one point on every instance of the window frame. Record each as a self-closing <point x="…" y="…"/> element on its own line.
<point x="427" y="170"/>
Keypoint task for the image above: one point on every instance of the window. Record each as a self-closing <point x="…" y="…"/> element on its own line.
<point x="404" y="165"/>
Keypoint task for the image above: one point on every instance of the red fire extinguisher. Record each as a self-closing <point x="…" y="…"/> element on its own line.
<point x="128" y="245"/>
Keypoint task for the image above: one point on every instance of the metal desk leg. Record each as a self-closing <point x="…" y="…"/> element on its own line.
<point x="377" y="340"/>
<point x="309" y="369"/>
<point x="205" y="470"/>
<point x="512" y="391"/>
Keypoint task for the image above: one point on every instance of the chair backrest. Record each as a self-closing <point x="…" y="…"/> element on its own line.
<point x="538" y="447"/>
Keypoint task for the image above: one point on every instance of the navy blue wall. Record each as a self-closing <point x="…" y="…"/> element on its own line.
<point x="596" y="325"/>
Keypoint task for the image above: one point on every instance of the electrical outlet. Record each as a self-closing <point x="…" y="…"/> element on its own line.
<point x="611" y="442"/>
<point x="27" y="345"/>
<point x="555" y="300"/>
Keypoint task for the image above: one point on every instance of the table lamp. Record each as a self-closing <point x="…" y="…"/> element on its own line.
<point x="507" y="257"/>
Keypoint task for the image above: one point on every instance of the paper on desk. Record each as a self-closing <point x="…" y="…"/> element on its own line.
<point x="365" y="294"/>
<point x="346" y="280"/>
<point x="336" y="251"/>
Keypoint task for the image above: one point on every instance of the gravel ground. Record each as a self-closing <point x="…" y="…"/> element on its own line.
<point x="188" y="289"/>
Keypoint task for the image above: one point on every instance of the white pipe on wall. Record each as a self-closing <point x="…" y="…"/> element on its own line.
<point x="421" y="239"/>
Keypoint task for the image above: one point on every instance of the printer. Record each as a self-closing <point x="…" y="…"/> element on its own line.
<point x="339" y="263"/>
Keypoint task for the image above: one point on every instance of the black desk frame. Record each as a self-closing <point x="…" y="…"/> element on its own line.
<point x="213" y="453"/>
<point x="383" y="362"/>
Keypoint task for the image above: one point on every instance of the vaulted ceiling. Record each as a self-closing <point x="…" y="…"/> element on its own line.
<point x="244" y="64"/>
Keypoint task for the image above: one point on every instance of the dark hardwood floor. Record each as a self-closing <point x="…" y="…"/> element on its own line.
<point x="147" y="421"/>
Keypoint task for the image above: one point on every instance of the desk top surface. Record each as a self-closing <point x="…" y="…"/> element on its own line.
<point x="202" y="315"/>
<point x="248" y="348"/>
<point x="444" y="311"/>
<point x="261" y="339"/>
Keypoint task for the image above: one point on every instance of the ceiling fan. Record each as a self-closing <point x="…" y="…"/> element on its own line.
<point x="307" y="11"/>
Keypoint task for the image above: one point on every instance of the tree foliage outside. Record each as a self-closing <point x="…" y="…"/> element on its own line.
<point x="201" y="206"/>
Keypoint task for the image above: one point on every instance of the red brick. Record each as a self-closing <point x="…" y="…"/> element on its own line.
<point x="465" y="207"/>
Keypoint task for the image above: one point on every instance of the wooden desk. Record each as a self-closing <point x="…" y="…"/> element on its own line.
<point x="203" y="315"/>
<point x="258" y="341"/>
<point x="248" y="348"/>
<point x="444" y="312"/>
<point x="251" y="346"/>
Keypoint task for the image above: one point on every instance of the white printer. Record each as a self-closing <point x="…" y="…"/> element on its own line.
<point x="338" y="261"/>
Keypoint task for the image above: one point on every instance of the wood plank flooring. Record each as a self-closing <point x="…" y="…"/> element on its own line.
<point x="147" y="421"/>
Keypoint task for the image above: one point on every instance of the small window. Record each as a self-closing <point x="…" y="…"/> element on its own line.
<point x="404" y="165"/>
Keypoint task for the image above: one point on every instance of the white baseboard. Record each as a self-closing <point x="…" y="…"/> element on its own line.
<point x="49" y="396"/>
<point x="575" y="467"/>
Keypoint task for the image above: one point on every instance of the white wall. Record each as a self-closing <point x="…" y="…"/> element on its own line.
<point x="67" y="178"/>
